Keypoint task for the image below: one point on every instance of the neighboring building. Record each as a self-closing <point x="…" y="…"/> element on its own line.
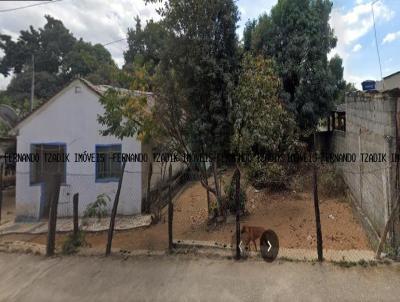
<point x="371" y="127"/>
<point x="67" y="124"/>
<point x="390" y="82"/>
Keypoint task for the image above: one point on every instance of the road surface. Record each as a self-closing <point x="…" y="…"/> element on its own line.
<point x="186" y="278"/>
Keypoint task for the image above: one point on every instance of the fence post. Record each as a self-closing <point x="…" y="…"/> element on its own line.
<point x="1" y="188"/>
<point x="317" y="216"/>
<point x="386" y="229"/>
<point x="236" y="176"/>
<point x="76" y="207"/>
<point x="114" y="212"/>
<point x="54" y="184"/>
<point x="148" y="200"/>
<point x="170" y="211"/>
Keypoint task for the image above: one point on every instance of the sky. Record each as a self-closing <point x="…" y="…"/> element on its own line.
<point x="103" y="21"/>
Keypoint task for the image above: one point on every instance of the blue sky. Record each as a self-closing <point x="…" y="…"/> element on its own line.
<point x="102" y="21"/>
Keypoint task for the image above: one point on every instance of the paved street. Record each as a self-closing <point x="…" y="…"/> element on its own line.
<point x="184" y="278"/>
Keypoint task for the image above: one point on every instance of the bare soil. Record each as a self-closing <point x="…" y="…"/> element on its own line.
<point x="290" y="214"/>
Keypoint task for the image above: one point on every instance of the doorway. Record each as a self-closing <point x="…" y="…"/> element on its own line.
<point x="51" y="161"/>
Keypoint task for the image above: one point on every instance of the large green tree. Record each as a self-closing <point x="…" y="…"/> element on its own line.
<point x="144" y="45"/>
<point x="297" y="35"/>
<point x="193" y="81"/>
<point x="58" y="58"/>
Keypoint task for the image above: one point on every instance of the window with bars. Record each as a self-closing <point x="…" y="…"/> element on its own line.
<point x="108" y="166"/>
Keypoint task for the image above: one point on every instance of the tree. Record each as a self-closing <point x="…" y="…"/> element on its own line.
<point x="193" y="81"/>
<point x="58" y="58"/>
<point x="49" y="44"/>
<point x="144" y="45"/>
<point x="259" y="117"/>
<point x="201" y="58"/>
<point x="262" y="125"/>
<point x="248" y="33"/>
<point x="297" y="35"/>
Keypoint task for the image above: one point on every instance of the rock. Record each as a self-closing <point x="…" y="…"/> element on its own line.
<point x="309" y="238"/>
<point x="331" y="217"/>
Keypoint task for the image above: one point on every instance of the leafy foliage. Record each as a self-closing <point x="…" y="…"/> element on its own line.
<point x="58" y="58"/>
<point x="297" y="35"/>
<point x="263" y="174"/>
<point x="73" y="243"/>
<point x="98" y="208"/>
<point x="145" y="45"/>
<point x="261" y="122"/>
<point x="230" y="193"/>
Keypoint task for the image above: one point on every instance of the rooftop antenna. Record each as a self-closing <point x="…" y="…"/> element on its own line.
<point x="376" y="43"/>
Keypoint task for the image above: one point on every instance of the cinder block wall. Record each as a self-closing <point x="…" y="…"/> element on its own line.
<point x="370" y="128"/>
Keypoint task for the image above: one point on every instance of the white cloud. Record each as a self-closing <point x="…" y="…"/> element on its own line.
<point x="391" y="37"/>
<point x="97" y="21"/>
<point x="353" y="24"/>
<point x="357" y="47"/>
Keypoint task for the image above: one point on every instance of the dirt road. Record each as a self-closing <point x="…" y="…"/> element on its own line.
<point x="184" y="278"/>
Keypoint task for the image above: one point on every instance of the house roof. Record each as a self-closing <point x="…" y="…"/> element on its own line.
<point x="100" y="90"/>
<point x="391" y="75"/>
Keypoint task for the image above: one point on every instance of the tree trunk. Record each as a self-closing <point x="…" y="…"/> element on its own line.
<point x="114" y="212"/>
<point x="217" y="188"/>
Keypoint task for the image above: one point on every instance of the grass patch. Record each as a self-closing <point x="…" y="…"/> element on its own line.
<point x="73" y="242"/>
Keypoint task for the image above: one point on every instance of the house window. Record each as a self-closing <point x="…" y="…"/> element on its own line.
<point x="337" y="121"/>
<point x="108" y="166"/>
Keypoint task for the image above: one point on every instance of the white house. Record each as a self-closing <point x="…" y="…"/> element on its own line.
<point x="67" y="124"/>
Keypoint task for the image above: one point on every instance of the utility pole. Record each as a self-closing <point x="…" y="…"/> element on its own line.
<point x="33" y="83"/>
<point x="376" y="43"/>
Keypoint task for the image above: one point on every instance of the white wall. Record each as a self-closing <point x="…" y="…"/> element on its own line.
<point x="72" y="119"/>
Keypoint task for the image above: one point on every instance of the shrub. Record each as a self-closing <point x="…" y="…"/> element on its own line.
<point x="331" y="183"/>
<point x="98" y="208"/>
<point x="72" y="243"/>
<point x="262" y="175"/>
<point x="230" y="195"/>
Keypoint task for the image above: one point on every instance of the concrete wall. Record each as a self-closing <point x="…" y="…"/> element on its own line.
<point x="370" y="128"/>
<point x="390" y="83"/>
<point x="71" y="119"/>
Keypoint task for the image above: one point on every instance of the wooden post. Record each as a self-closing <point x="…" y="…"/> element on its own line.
<point x="395" y="212"/>
<point x="148" y="200"/>
<point x="76" y="207"/>
<point x="236" y="176"/>
<point x="317" y="216"/>
<point x="53" y="184"/>
<point x="114" y="212"/>
<point x="170" y="212"/>
<point x="1" y="188"/>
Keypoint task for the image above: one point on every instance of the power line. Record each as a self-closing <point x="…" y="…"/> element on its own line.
<point x="116" y="41"/>
<point x="27" y="6"/>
